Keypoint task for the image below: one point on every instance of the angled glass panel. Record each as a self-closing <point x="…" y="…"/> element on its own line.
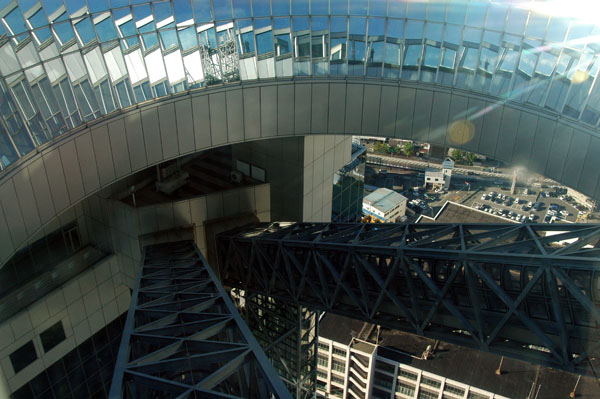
<point x="202" y="11"/>
<point x="378" y="8"/>
<point x="261" y="8"/>
<point x="187" y="38"/>
<point x="264" y="42"/>
<point x="106" y="30"/>
<point x="537" y="26"/>
<point x="15" y="22"/>
<point x="85" y="30"/>
<point x="8" y="154"/>
<point x="39" y="22"/>
<point x="517" y="18"/>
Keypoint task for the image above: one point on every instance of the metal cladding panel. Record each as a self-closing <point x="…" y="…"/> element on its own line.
<point x="87" y="162"/>
<point x="458" y="131"/>
<point x="589" y="179"/>
<point x="235" y="115"/>
<point x="218" y="118"/>
<point x="185" y="126"/>
<point x="27" y="201"/>
<point x="475" y="110"/>
<point x="574" y="163"/>
<point x="302" y="97"/>
<point x="168" y="130"/>
<point x="491" y="126"/>
<point x="152" y="141"/>
<point x="7" y="247"/>
<point x="422" y="115"/>
<point x="41" y="190"/>
<point x="319" y="107"/>
<point x="252" y="113"/>
<point x="14" y="219"/>
<point x="387" y="110"/>
<point x="268" y="111"/>
<point x="558" y="151"/>
<point x="507" y="134"/>
<point x="541" y="143"/>
<point x="56" y="179"/>
<point x="439" y="118"/>
<point x="285" y="109"/>
<point x="370" y="116"/>
<point x="524" y="141"/>
<point x="405" y="112"/>
<point x="201" y="116"/>
<point x="354" y="99"/>
<point x="135" y="141"/>
<point x="120" y="151"/>
<point x="337" y="108"/>
<point x="106" y="168"/>
<point x="68" y="155"/>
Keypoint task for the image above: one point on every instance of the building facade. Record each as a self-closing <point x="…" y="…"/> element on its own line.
<point x="384" y="205"/>
<point x="97" y="96"/>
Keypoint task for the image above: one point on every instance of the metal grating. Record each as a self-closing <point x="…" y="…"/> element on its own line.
<point x="183" y="337"/>
<point x="527" y="291"/>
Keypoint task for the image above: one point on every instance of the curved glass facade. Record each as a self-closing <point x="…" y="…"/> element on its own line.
<point x="64" y="63"/>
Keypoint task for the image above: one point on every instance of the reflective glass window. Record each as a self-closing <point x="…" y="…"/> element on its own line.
<point x="416" y="9"/>
<point x="300" y="7"/>
<point x="578" y="35"/>
<point x="106" y="30"/>
<point x="261" y="8"/>
<point x="413" y="55"/>
<point x="528" y="60"/>
<point x="302" y="44"/>
<point x="356" y="43"/>
<point x="557" y="29"/>
<point x="241" y="9"/>
<point x="283" y="44"/>
<point x="488" y="58"/>
<point x="472" y="35"/>
<point x="187" y="38"/>
<point x="414" y="30"/>
<point x="8" y="154"/>
<point x="516" y="21"/>
<point x="546" y="63"/>
<point x="85" y="30"/>
<point x="397" y="9"/>
<point x="247" y="40"/>
<point x="39" y="22"/>
<point x="469" y="59"/>
<point x="182" y="10"/>
<point x="222" y="9"/>
<point x="264" y="42"/>
<point x="496" y="16"/>
<point x="64" y="31"/>
<point x="434" y="31"/>
<point x="432" y="56"/>
<point x="52" y="336"/>
<point x="128" y="31"/>
<point x="509" y="61"/>
<point x="169" y="38"/>
<point x="150" y="40"/>
<point x="358" y="7"/>
<point x="494" y="38"/>
<point x="476" y="13"/>
<point x="280" y="7"/>
<point x="453" y="34"/>
<point x="16" y="23"/>
<point x="207" y="38"/>
<point x="202" y="10"/>
<point x="23" y="356"/>
<point x="456" y="12"/>
<point x="537" y="25"/>
<point x="378" y="8"/>
<point x="436" y="11"/>
<point x="448" y="58"/>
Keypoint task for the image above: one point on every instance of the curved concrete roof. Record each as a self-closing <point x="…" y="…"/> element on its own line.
<point x="74" y="166"/>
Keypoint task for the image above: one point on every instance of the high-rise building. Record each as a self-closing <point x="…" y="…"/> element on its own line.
<point x="121" y="121"/>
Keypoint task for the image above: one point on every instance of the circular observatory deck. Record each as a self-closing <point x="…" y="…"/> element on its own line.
<point x="91" y="92"/>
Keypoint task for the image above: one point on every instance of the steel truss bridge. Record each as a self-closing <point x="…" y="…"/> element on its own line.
<point x="184" y="338"/>
<point x="529" y="291"/>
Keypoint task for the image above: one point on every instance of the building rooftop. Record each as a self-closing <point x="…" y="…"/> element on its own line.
<point x="384" y="199"/>
<point x="465" y="365"/>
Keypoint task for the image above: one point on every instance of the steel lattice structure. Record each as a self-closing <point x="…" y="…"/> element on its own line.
<point x="528" y="291"/>
<point x="184" y="338"/>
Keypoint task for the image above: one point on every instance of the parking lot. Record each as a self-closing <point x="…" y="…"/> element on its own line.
<point x="548" y="209"/>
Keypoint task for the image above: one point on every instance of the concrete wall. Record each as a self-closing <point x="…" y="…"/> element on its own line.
<point x="74" y="166"/>
<point x="115" y="226"/>
<point x="85" y="304"/>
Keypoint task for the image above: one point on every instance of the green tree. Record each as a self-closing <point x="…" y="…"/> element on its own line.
<point x="381" y="148"/>
<point x="470" y="157"/>
<point x="457" y="155"/>
<point x="408" y="149"/>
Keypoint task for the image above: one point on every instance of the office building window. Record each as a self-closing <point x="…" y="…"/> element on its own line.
<point x="52" y="336"/>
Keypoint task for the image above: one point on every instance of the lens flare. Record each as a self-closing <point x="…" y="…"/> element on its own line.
<point x="461" y="132"/>
<point x="580" y="77"/>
